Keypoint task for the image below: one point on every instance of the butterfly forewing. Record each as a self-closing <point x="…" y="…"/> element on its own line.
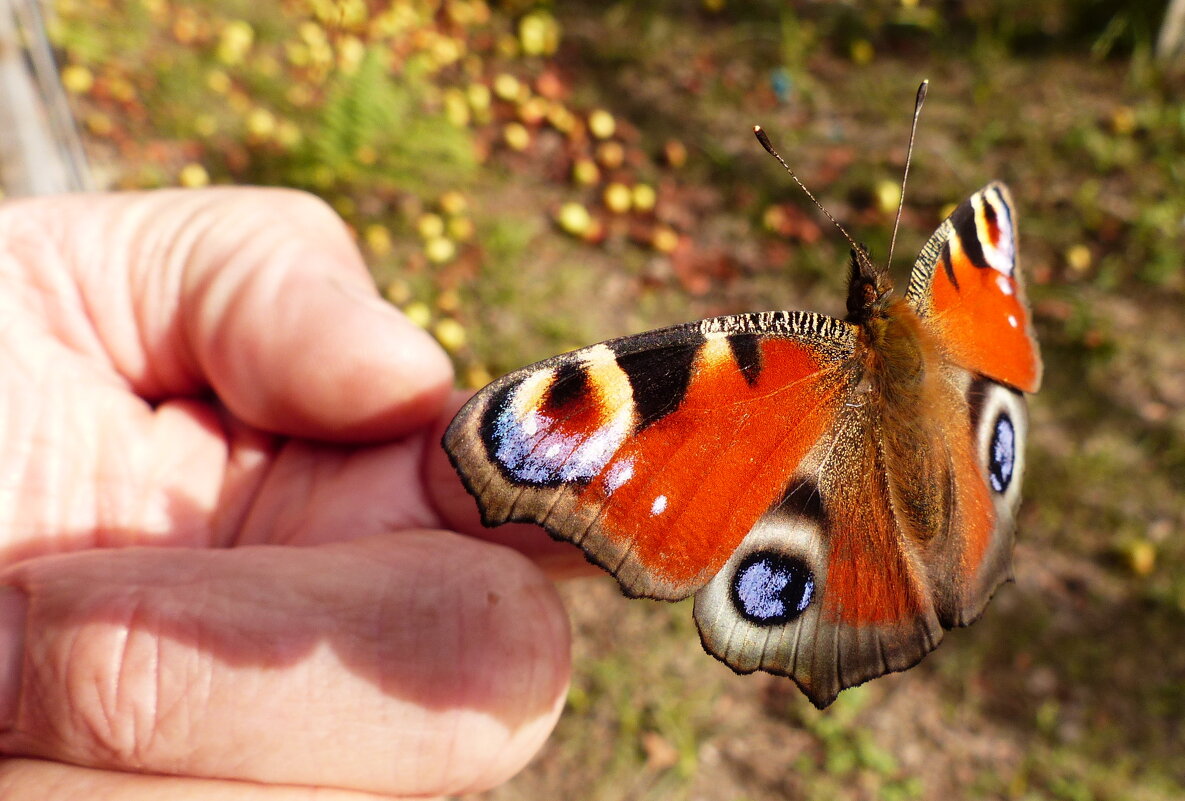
<point x="657" y="453"/>
<point x="967" y="286"/>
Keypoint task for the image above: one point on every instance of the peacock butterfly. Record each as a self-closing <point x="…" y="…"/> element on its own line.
<point x="834" y="492"/>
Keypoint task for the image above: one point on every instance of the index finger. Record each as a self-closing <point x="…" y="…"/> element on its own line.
<point x="259" y="294"/>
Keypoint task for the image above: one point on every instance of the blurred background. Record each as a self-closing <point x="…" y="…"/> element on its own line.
<point x="528" y="177"/>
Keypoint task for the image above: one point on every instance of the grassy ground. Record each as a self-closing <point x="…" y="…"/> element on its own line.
<point x="460" y="143"/>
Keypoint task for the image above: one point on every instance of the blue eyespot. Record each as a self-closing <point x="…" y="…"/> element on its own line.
<point x="1002" y="454"/>
<point x="771" y="588"/>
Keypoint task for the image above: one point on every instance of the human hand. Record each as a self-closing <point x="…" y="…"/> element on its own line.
<point x="223" y="572"/>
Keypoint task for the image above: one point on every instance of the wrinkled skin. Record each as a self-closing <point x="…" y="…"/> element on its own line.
<point x="234" y="562"/>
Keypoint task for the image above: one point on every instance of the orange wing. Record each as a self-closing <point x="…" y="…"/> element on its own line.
<point x="826" y="588"/>
<point x="658" y="453"/>
<point x="967" y="287"/>
<point x="832" y="586"/>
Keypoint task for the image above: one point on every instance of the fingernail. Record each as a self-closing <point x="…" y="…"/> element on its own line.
<point x="14" y="607"/>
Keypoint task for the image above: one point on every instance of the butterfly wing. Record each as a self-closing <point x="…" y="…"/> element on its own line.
<point x="833" y="586"/>
<point x="738" y="457"/>
<point x="987" y="476"/>
<point x="657" y="453"/>
<point x="826" y="588"/>
<point x="967" y="288"/>
<point x="743" y="459"/>
<point x="968" y="291"/>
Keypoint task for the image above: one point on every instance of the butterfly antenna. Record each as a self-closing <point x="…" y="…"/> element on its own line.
<point x="917" y="111"/>
<point x="759" y="132"/>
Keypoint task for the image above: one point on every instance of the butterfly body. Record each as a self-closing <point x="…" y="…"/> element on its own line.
<point x="833" y="492"/>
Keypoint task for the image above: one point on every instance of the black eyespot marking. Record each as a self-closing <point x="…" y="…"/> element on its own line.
<point x="1002" y="454"/>
<point x="948" y="267"/>
<point x="489" y="429"/>
<point x="659" y="377"/>
<point x="746" y="351"/>
<point x="989" y="213"/>
<point x="570" y="384"/>
<point x="771" y="588"/>
<point x="964" y="222"/>
<point x="999" y="204"/>
<point x="803" y="498"/>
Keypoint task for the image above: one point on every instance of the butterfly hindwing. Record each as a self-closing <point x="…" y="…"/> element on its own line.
<point x="826" y="588"/>
<point x="657" y="453"/>
<point x="967" y="288"/>
<point x="832" y="587"/>
<point x="997" y="431"/>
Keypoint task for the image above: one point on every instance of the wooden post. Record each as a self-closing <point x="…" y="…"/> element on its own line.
<point x="1170" y="45"/>
<point x="40" y="151"/>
